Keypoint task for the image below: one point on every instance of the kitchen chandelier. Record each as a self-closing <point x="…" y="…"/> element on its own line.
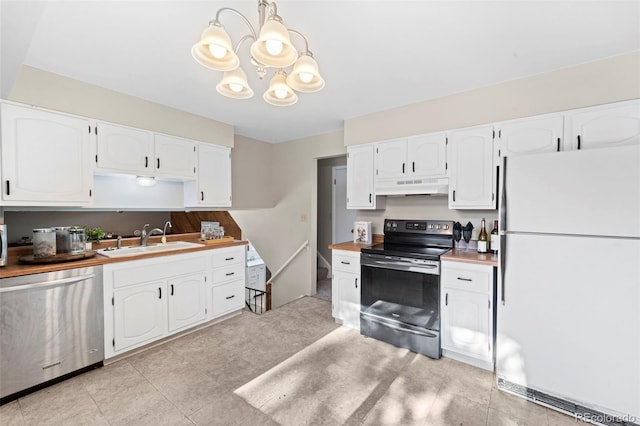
<point x="271" y="48"/>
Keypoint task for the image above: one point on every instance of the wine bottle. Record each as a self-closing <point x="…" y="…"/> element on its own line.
<point x="495" y="238"/>
<point x="482" y="238"/>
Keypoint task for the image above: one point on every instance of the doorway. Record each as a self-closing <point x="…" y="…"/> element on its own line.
<point x="334" y="222"/>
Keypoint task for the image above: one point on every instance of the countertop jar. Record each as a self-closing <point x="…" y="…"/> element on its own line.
<point x="44" y="242"/>
<point x="63" y="245"/>
<point x="77" y="239"/>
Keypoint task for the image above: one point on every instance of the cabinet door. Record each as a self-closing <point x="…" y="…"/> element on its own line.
<point x="186" y="296"/>
<point x="472" y="175"/>
<point x="45" y="158"/>
<point x="348" y="302"/>
<point x="391" y="159"/>
<point x="124" y="150"/>
<point x="174" y="157"/>
<point x="139" y="314"/>
<point x="466" y="320"/>
<point x="360" y="171"/>
<point x="531" y="136"/>
<point x="214" y="176"/>
<point x="427" y="155"/>
<point x="609" y="125"/>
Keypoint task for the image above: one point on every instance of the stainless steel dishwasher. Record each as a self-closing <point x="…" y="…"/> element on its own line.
<point x="51" y="325"/>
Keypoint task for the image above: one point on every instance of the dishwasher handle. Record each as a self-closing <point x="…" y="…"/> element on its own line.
<point x="47" y="284"/>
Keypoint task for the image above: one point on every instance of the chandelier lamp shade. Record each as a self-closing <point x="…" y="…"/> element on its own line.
<point x="271" y="48"/>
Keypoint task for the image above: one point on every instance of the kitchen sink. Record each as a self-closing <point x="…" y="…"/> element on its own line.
<point x="151" y="248"/>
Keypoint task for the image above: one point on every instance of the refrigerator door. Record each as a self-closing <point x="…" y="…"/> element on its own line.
<point x="568" y="321"/>
<point x="592" y="192"/>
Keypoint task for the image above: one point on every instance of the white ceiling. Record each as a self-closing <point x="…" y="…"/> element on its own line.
<point x="373" y="55"/>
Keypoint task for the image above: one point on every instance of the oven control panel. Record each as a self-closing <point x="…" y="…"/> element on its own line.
<point x="442" y="227"/>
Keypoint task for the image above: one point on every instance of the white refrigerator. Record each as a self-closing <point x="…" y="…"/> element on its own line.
<point x="568" y="309"/>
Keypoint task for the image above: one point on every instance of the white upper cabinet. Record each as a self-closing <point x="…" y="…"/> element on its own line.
<point x="45" y="158"/>
<point x="212" y="188"/>
<point x="123" y="149"/>
<point x="427" y="155"/>
<point x="606" y="125"/>
<point x="532" y="135"/>
<point x="360" y="169"/>
<point x="414" y="165"/>
<point x="472" y="175"/>
<point x="391" y="159"/>
<point x="174" y="157"/>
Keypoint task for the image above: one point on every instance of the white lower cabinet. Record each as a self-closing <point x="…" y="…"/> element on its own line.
<point x="138" y="314"/>
<point x="226" y="293"/>
<point x="186" y="298"/>
<point x="148" y="299"/>
<point x="467" y="320"/>
<point x="345" y="288"/>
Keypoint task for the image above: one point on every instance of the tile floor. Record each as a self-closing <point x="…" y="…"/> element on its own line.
<point x="290" y="366"/>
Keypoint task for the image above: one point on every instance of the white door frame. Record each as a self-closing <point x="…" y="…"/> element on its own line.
<point x="333" y="202"/>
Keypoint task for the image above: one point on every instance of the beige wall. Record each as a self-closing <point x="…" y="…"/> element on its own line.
<point x="278" y="232"/>
<point x="37" y="87"/>
<point x="609" y="80"/>
<point x="251" y="174"/>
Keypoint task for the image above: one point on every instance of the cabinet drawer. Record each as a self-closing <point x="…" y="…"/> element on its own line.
<point x="346" y="261"/>
<point x="228" y="297"/>
<point x="477" y="278"/>
<point x="228" y="256"/>
<point x="228" y="273"/>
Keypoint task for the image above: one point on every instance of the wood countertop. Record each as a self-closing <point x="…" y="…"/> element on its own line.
<point x="14" y="268"/>
<point x="351" y="246"/>
<point x="470" y="256"/>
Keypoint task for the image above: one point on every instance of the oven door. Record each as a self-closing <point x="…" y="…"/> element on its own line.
<point x="400" y="302"/>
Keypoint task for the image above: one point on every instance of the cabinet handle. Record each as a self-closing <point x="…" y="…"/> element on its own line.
<point x="159" y="293"/>
<point x="8" y="188"/>
<point x="369" y="197"/>
<point x="402" y="168"/>
<point x="157" y="163"/>
<point x="579" y="141"/>
<point x="558" y="144"/>
<point x="345" y="263"/>
<point x="230" y="297"/>
<point x="465" y="279"/>
<point x="146" y="162"/>
<point x="446" y="299"/>
<point x="229" y="258"/>
<point x="229" y="274"/>
<point x="356" y="282"/>
<point x="201" y="195"/>
<point x="172" y="289"/>
<point x="454" y="195"/>
<point x="413" y="166"/>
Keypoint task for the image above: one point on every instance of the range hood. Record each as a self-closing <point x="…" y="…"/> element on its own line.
<point x="429" y="186"/>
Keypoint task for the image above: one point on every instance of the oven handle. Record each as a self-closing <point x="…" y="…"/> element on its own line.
<point x="402" y="266"/>
<point x="395" y="327"/>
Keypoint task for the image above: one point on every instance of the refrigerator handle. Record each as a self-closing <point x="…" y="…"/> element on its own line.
<point x="503" y="197"/>
<point x="503" y="251"/>
<point x="503" y="228"/>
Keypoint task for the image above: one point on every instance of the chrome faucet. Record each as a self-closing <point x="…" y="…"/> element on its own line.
<point x="144" y="235"/>
<point x="164" y="232"/>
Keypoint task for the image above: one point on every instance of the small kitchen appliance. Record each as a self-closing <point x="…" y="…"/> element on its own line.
<point x="400" y="288"/>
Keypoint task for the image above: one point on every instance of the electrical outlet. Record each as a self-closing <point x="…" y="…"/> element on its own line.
<point x="303" y="217"/>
